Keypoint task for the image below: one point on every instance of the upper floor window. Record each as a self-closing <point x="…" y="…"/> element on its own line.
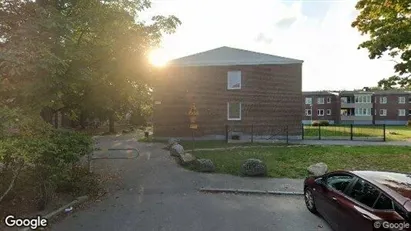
<point x="383" y="100"/>
<point x="234" y="80"/>
<point x="308" y="100"/>
<point x="328" y="99"/>
<point x="320" y="100"/>
<point x="401" y="99"/>
<point x="344" y="100"/>
<point x="363" y="99"/>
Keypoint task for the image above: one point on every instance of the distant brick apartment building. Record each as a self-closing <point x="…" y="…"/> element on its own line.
<point x="357" y="107"/>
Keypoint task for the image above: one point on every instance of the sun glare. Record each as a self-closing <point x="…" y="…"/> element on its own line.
<point x="158" y="58"/>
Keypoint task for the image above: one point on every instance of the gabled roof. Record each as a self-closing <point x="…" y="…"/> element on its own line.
<point x="228" y="56"/>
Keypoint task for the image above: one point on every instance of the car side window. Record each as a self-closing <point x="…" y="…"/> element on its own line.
<point x="364" y="193"/>
<point x="401" y="211"/>
<point x="384" y="203"/>
<point x="339" y="181"/>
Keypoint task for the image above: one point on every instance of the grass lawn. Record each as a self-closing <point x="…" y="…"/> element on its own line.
<point x="392" y="132"/>
<point x="292" y="162"/>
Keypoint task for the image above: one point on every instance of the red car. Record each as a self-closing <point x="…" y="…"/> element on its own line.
<point x="361" y="200"/>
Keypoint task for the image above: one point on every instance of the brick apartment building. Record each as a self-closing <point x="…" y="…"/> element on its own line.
<point x="357" y="107"/>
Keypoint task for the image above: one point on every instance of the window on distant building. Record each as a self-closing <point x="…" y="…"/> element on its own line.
<point x="328" y="111"/>
<point x="234" y="80"/>
<point x="234" y="111"/>
<point x="344" y="100"/>
<point x="308" y="100"/>
<point x="320" y="112"/>
<point x="320" y="100"/>
<point x="383" y="100"/>
<point x="401" y="112"/>
<point x="308" y="112"/>
<point x="383" y="112"/>
<point x="363" y="99"/>
<point x="363" y="111"/>
<point x="328" y="99"/>
<point x="401" y="100"/>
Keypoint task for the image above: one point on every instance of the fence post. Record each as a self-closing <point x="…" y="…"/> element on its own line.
<point x="383" y="128"/>
<point x="286" y="130"/>
<point x="302" y="131"/>
<point x="319" y="132"/>
<point x="252" y="133"/>
<point x="351" y="131"/>
<point x="226" y="133"/>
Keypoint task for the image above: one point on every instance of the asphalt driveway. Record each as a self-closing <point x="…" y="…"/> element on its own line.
<point x="152" y="193"/>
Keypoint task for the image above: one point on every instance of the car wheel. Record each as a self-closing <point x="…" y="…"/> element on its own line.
<point x="309" y="200"/>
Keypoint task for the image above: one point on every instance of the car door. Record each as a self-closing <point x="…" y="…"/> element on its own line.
<point x="364" y="204"/>
<point x="327" y="196"/>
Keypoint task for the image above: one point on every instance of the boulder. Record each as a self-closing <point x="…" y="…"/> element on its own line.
<point x="204" y="165"/>
<point x="177" y="150"/>
<point x="254" y="167"/>
<point x="171" y="142"/>
<point x="187" y="158"/>
<point x="318" y="169"/>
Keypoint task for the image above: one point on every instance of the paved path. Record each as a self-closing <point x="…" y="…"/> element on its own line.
<point x="153" y="193"/>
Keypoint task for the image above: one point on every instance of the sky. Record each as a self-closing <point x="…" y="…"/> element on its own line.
<point x="318" y="32"/>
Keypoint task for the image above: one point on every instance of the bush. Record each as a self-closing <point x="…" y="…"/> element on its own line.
<point x="320" y="123"/>
<point x="409" y="123"/>
<point x="49" y="160"/>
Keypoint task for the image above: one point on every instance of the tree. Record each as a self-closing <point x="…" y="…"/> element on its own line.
<point x="77" y="55"/>
<point x="388" y="24"/>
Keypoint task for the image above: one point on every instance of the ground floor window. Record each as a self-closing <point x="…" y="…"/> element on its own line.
<point x="401" y="112"/>
<point x="320" y="112"/>
<point x="234" y="111"/>
<point x="308" y="112"/>
<point x="328" y="111"/>
<point x="363" y="111"/>
<point x="383" y="112"/>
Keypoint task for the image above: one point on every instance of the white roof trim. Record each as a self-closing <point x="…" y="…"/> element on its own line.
<point x="227" y="56"/>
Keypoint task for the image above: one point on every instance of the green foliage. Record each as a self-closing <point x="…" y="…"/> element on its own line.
<point x="320" y="123"/>
<point x="78" y="55"/>
<point x="388" y="24"/>
<point x="409" y="123"/>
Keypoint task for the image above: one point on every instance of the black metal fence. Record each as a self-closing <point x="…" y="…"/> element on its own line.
<point x="261" y="133"/>
<point x="345" y="132"/>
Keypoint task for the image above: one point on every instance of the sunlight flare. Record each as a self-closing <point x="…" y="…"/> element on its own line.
<point x="158" y="58"/>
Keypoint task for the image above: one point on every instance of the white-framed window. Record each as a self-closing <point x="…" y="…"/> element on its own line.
<point x="363" y="111"/>
<point x="328" y="99"/>
<point x="308" y="100"/>
<point x="320" y="112"/>
<point x="328" y="111"/>
<point x="234" y="80"/>
<point x="401" y="112"/>
<point x="308" y="112"/>
<point x="383" y="99"/>
<point x="233" y="111"/>
<point x="320" y="100"/>
<point x="363" y="99"/>
<point x="383" y="112"/>
<point x="401" y="100"/>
